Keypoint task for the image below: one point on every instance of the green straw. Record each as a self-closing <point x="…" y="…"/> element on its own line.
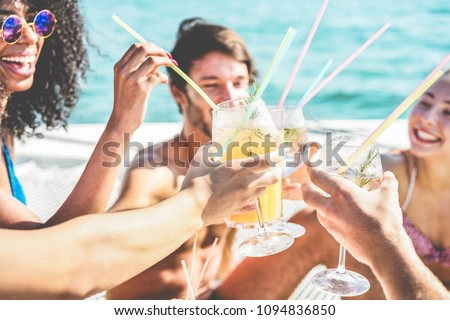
<point x="279" y="55"/>
<point x="175" y="68"/>
<point x="281" y="52"/>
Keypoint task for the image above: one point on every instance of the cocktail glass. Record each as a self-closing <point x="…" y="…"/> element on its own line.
<point x="366" y="172"/>
<point x="295" y="140"/>
<point x="243" y="129"/>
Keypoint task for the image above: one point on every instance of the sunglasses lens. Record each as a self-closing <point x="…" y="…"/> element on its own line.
<point x="44" y="24"/>
<point x="12" y="29"/>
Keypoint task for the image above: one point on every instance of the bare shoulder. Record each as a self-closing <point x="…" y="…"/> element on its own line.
<point x="396" y="162"/>
<point x="149" y="179"/>
<point x="152" y="156"/>
<point x="399" y="162"/>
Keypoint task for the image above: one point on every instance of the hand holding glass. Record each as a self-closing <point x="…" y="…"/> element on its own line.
<point x="366" y="172"/>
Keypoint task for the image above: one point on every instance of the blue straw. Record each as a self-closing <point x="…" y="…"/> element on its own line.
<point x="316" y="81"/>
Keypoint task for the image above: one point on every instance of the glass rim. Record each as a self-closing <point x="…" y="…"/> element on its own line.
<point x="342" y="135"/>
<point x="247" y="100"/>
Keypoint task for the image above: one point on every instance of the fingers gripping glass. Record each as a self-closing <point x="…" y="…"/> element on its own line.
<point x="43" y="25"/>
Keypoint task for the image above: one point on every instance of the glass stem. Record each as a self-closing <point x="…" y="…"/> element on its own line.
<point x="341" y="265"/>
<point x="262" y="228"/>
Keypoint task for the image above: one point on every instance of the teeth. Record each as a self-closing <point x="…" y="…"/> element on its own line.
<point x="20" y="59"/>
<point x="426" y="136"/>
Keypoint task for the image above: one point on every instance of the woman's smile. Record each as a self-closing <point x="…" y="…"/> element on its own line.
<point x="22" y="65"/>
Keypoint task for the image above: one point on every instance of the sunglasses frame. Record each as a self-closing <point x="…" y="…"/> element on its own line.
<point x="27" y="24"/>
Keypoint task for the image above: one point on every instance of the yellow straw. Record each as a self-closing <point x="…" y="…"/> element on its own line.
<point x="175" y="68"/>
<point x="393" y="116"/>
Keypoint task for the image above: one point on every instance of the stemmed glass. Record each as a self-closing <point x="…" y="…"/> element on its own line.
<point x="295" y="138"/>
<point x="366" y="172"/>
<point x="243" y="129"/>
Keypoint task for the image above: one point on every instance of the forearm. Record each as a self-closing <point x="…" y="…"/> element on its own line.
<point x="93" y="190"/>
<point x="95" y="253"/>
<point x="403" y="275"/>
<point x="15" y="215"/>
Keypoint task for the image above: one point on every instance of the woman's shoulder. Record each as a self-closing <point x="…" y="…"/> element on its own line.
<point x="399" y="163"/>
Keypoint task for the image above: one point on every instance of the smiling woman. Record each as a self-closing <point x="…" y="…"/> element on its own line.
<point x="424" y="178"/>
<point x="42" y="60"/>
<point x="40" y="82"/>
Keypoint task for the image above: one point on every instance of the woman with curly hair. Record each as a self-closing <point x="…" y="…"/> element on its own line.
<point x="42" y="59"/>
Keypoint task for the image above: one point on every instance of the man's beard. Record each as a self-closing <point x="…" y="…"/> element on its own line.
<point x="197" y="118"/>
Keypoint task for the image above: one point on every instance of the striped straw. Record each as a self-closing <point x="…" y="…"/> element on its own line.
<point x="413" y="96"/>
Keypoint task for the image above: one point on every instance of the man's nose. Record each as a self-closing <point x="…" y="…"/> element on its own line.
<point x="230" y="92"/>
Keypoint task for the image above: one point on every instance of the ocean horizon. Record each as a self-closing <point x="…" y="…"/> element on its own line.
<point x="370" y="88"/>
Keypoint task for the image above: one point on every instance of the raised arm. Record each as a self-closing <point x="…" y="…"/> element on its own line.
<point x="97" y="252"/>
<point x="135" y="75"/>
<point x="369" y="225"/>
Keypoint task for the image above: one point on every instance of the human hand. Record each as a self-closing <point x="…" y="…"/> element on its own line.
<point x="222" y="189"/>
<point x="135" y="75"/>
<point x="364" y="222"/>
<point x="291" y="190"/>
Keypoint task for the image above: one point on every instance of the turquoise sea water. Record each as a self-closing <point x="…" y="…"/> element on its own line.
<point x="374" y="84"/>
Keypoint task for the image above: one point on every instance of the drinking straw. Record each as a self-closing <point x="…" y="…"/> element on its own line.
<point x="206" y="264"/>
<point x="428" y="82"/>
<point x="175" y="68"/>
<point x="303" y="52"/>
<point x="194" y="249"/>
<point x="345" y="64"/>
<point x="279" y="55"/>
<point x="317" y="80"/>
<point x="188" y="282"/>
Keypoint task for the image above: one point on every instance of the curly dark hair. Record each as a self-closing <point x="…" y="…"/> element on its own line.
<point x="63" y="62"/>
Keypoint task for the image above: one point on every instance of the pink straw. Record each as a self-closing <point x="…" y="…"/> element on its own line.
<point x="302" y="55"/>
<point x="439" y="67"/>
<point x="345" y="64"/>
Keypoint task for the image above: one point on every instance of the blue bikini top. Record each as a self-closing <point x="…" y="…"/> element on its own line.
<point x="16" y="188"/>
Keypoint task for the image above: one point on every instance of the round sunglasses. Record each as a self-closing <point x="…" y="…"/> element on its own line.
<point x="43" y="25"/>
